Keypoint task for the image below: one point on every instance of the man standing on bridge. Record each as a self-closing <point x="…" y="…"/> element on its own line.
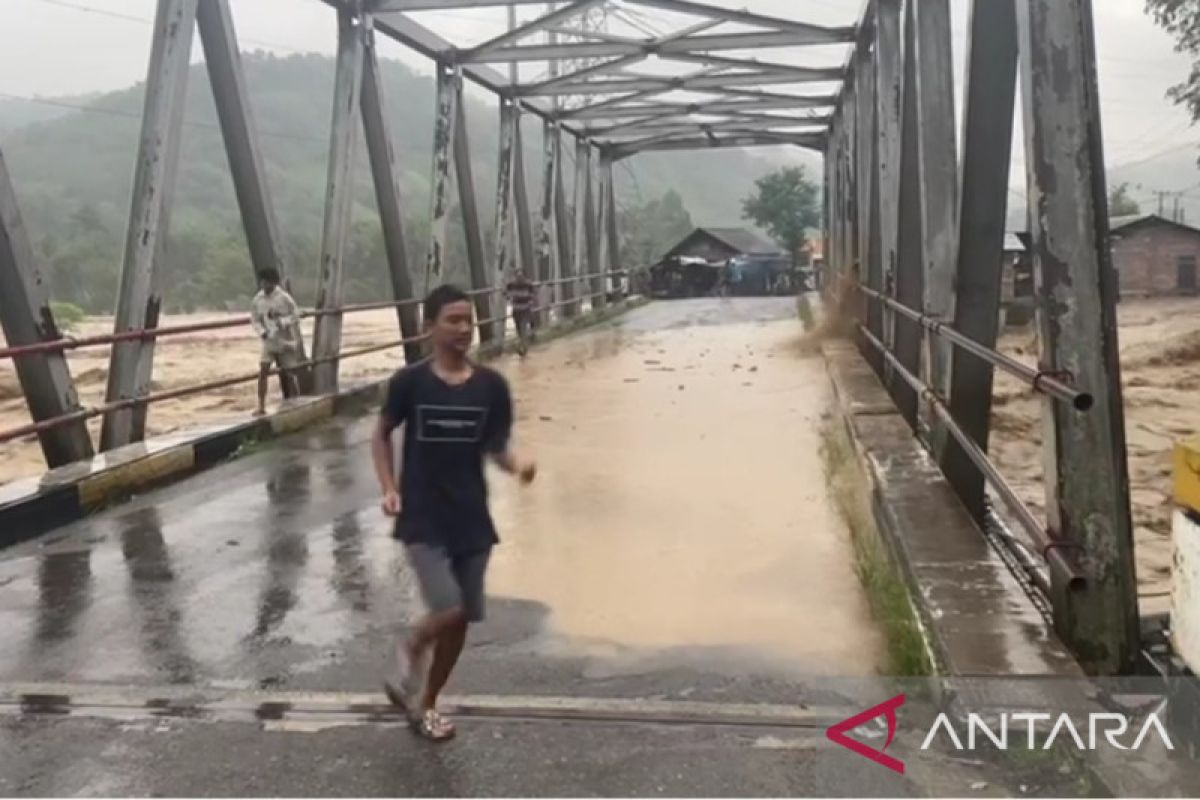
<point x="454" y="413"/>
<point x="275" y="317"/>
<point x="522" y="294"/>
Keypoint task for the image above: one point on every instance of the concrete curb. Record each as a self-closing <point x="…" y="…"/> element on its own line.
<point x="977" y="618"/>
<point x="32" y="507"/>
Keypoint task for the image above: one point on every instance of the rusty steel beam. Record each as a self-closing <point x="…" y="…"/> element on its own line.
<point x="502" y="255"/>
<point x="549" y="259"/>
<point x="386" y="6"/>
<point x="889" y="75"/>
<point x="582" y="244"/>
<point x="544" y="88"/>
<point x="527" y="251"/>
<point x="910" y="274"/>
<point x="26" y="319"/>
<point x="444" y="131"/>
<point x="339" y="198"/>
<point x="1087" y="479"/>
<point x="139" y="295"/>
<point x="485" y="302"/>
<point x="702" y="81"/>
<point x="811" y="142"/>
<point x="388" y="196"/>
<point x="607" y="244"/>
<point x="830" y="35"/>
<point x="988" y="119"/>
<point x="609" y="111"/>
<point x="938" y="166"/>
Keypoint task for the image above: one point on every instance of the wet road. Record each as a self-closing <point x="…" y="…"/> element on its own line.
<point x="678" y="544"/>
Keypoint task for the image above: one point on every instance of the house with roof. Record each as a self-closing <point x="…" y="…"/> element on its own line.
<point x="1154" y="256"/>
<point x="718" y="245"/>
<point x="696" y="266"/>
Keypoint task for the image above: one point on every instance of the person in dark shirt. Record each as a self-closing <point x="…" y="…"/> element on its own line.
<point x="454" y="414"/>
<point x="523" y="295"/>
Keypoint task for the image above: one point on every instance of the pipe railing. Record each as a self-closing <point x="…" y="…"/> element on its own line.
<point x="1039" y="380"/>
<point x="85" y="414"/>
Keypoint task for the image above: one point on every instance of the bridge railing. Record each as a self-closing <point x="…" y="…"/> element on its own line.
<point x="166" y="332"/>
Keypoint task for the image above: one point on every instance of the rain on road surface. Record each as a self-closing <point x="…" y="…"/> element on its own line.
<point x="678" y="544"/>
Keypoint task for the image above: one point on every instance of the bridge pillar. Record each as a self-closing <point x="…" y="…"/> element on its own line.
<point x="607" y="241"/>
<point x="1087" y="481"/>
<point x="485" y="301"/>
<point x="139" y="297"/>
<point x="224" y="62"/>
<point x="387" y="194"/>
<point x="27" y="319"/>
<point x="591" y="213"/>
<point x="339" y="198"/>
<point x="439" y="186"/>
<point x="988" y="116"/>
<point x="862" y="154"/>
<point x="566" y="245"/>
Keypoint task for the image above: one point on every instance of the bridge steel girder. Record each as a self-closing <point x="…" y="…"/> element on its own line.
<point x="862" y="148"/>
<point x="910" y="274"/>
<point x="339" y="198"/>
<point x="139" y="297"/>
<point x="564" y="221"/>
<point x="608" y="257"/>
<point x="485" y="302"/>
<point x="444" y="132"/>
<point x="26" y="318"/>
<point x="988" y="120"/>
<point x="723" y="106"/>
<point x="503" y="258"/>
<point x="582" y="242"/>
<point x="706" y="42"/>
<point x="388" y="196"/>
<point x="1087" y="479"/>
<point x="688" y="83"/>
<point x="592" y="208"/>
<point x="938" y="189"/>
<point x="223" y="59"/>
<point x="885" y="189"/>
<point x="572" y="9"/>
<point x="527" y="251"/>
<point x="549" y="252"/>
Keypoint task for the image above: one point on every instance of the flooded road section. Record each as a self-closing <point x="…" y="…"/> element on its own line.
<point x="680" y="514"/>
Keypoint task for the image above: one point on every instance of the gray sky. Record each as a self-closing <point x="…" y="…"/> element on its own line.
<point x="56" y="47"/>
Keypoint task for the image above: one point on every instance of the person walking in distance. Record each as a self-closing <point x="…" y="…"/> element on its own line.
<point x="275" y="318"/>
<point x="455" y="414"/>
<point x="522" y="294"/>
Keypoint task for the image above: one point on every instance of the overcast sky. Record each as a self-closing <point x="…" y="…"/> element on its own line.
<point x="57" y="47"/>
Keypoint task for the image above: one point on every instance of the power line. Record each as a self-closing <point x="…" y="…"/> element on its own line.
<point x="116" y="112"/>
<point x="146" y="21"/>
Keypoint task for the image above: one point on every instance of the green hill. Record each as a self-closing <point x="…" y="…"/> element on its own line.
<point x="73" y="171"/>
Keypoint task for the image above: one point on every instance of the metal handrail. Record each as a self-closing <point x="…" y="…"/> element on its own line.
<point x="173" y="394"/>
<point x="1051" y="548"/>
<point x="1039" y="380"/>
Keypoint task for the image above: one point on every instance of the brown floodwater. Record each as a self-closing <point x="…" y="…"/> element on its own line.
<point x="681" y="500"/>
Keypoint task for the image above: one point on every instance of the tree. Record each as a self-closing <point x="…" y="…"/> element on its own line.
<point x="787" y="206"/>
<point x="652" y="229"/>
<point x="1120" y="204"/>
<point x="1181" y="18"/>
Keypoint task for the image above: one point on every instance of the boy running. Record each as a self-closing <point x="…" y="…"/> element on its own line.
<point x="274" y="316"/>
<point x="454" y="413"/>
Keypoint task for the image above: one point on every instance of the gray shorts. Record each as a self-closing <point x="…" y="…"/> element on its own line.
<point x="448" y="581"/>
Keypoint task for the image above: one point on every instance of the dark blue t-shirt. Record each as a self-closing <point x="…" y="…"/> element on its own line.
<point x="448" y="431"/>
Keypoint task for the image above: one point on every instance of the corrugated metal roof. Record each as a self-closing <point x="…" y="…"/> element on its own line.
<point x="742" y="240"/>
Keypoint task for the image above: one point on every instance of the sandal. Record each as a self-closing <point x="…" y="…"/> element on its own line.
<point x="433" y="726"/>
<point x="405" y="694"/>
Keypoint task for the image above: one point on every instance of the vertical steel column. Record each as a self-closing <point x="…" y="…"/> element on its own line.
<point x="566" y="246"/>
<point x="26" y="319"/>
<point x="583" y="202"/>
<point x="885" y="185"/>
<point x="605" y="255"/>
<point x="987" y="153"/>
<point x="223" y="59"/>
<point x="527" y="252"/>
<point x="849" y="136"/>
<point x="504" y="194"/>
<point x="1087" y="481"/>
<point x="938" y="167"/>
<point x="591" y="209"/>
<point x="339" y="198"/>
<point x="387" y="193"/>
<point x="448" y="79"/>
<point x="138" y="299"/>
<point x="910" y="278"/>
<point x="485" y="301"/>
<point x="549" y="262"/>
<point x="864" y="150"/>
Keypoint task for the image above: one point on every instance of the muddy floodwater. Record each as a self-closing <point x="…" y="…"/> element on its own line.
<point x="682" y="500"/>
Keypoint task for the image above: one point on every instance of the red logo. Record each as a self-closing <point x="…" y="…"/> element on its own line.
<point x="837" y="733"/>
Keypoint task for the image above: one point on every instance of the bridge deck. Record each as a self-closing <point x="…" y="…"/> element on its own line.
<point x="678" y="544"/>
